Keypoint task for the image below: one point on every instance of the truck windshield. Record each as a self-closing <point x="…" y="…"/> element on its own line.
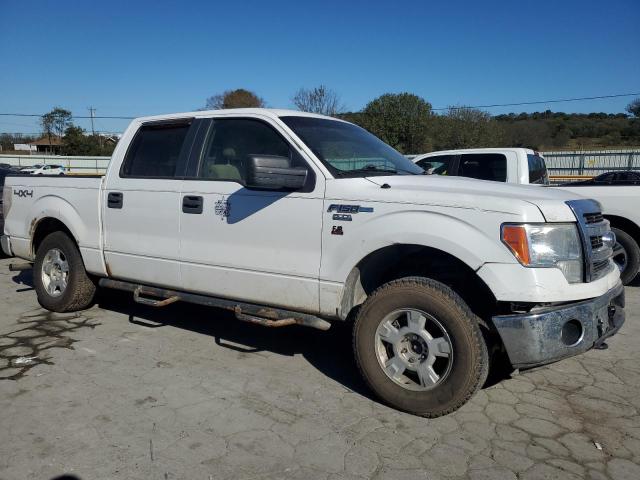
<point x="348" y="150"/>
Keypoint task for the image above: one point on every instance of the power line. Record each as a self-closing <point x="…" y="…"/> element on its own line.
<point x="74" y="116"/>
<point x="537" y="102"/>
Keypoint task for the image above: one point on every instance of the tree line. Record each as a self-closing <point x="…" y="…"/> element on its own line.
<point x="58" y="128"/>
<point x="408" y="123"/>
<point x="405" y="121"/>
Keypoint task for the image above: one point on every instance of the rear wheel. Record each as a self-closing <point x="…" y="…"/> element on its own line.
<point x="60" y="279"/>
<point x="626" y="255"/>
<point x="419" y="347"/>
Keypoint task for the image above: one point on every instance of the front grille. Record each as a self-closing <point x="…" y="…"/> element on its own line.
<point x="600" y="266"/>
<point x="596" y="242"/>
<point x="592" y="227"/>
<point x="590" y="218"/>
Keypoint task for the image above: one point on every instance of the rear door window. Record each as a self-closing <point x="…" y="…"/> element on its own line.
<point x="155" y="151"/>
<point x="537" y="170"/>
<point x="484" y="166"/>
<point x="437" y="165"/>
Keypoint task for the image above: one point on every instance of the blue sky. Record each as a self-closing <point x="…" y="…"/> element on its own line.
<point x="147" y="57"/>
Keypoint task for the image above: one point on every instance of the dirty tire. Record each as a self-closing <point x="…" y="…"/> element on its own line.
<point x="80" y="289"/>
<point x="633" y="255"/>
<point x="470" y="365"/>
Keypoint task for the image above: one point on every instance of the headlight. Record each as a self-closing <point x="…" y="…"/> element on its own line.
<point x="547" y="245"/>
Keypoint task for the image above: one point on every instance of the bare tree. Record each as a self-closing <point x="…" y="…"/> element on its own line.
<point x="634" y="108"/>
<point x="320" y="99"/>
<point x="46" y="122"/>
<point x="239" y="98"/>
<point x="55" y="122"/>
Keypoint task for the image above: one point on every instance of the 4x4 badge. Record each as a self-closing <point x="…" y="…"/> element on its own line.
<point x="23" y="193"/>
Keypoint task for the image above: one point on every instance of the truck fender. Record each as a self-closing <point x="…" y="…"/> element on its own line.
<point x="461" y="239"/>
<point x="53" y="206"/>
<point x="435" y="233"/>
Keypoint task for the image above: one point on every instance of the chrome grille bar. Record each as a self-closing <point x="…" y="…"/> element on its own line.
<point x="592" y="227"/>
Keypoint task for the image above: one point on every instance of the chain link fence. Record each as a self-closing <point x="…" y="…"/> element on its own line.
<point x="590" y="162"/>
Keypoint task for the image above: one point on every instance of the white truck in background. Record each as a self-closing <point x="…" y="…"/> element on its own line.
<point x="292" y="218"/>
<point x="620" y="202"/>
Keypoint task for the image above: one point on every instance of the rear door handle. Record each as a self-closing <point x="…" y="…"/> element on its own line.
<point x="114" y="200"/>
<point x="192" y="204"/>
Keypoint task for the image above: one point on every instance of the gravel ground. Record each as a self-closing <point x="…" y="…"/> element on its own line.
<point x="126" y="392"/>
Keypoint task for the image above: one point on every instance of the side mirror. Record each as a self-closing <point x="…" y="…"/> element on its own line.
<point x="274" y="173"/>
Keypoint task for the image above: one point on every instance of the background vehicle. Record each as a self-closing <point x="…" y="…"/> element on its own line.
<point x="45" y="170"/>
<point x="620" y="177"/>
<point x="524" y="166"/>
<point x="285" y="217"/>
<point x="512" y="165"/>
<point x="31" y="169"/>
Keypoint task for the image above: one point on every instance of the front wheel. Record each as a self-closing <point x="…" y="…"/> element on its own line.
<point x="419" y="347"/>
<point x="59" y="276"/>
<point x="626" y="255"/>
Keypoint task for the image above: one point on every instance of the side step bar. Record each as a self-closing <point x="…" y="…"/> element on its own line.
<point x="246" y="312"/>
<point x="20" y="267"/>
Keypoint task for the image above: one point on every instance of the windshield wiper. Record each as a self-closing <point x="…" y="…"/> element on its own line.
<point x="374" y="168"/>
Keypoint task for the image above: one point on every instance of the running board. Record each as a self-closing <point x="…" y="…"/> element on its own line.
<point x="246" y="312"/>
<point x="20" y="267"/>
<point x="150" y="301"/>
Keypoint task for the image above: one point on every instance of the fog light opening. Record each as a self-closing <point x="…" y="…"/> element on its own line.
<point x="572" y="333"/>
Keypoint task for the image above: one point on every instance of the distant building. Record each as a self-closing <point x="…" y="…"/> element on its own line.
<point x="24" y="147"/>
<point x="50" y="145"/>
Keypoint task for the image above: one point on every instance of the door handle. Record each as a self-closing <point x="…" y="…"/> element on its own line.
<point x="114" y="200"/>
<point x="192" y="204"/>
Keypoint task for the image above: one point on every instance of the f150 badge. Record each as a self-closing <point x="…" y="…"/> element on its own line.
<point x="343" y="212"/>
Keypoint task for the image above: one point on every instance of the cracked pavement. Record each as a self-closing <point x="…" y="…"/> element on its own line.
<point x="122" y="391"/>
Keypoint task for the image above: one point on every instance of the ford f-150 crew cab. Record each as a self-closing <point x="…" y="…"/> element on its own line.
<point x="524" y="166"/>
<point x="286" y="217"/>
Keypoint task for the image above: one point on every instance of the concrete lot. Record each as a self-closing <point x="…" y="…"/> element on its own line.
<point x="121" y="391"/>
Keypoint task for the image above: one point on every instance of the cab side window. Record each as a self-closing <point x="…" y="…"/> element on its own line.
<point x="484" y="166"/>
<point x="154" y="151"/>
<point x="437" y="165"/>
<point x="229" y="144"/>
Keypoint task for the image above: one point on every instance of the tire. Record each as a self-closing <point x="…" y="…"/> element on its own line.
<point x="626" y="255"/>
<point x="468" y="360"/>
<point x="77" y="290"/>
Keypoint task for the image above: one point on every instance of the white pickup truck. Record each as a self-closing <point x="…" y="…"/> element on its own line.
<point x="293" y="218"/>
<point x="524" y="166"/>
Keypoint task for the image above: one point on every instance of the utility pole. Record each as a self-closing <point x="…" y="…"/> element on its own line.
<point x="92" y="111"/>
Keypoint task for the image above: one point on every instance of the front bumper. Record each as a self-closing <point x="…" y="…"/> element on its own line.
<point x="5" y="242"/>
<point x="536" y="338"/>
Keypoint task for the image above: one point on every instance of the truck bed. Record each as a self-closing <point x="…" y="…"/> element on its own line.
<point x="74" y="200"/>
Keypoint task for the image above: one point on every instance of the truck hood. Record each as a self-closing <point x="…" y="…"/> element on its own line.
<point x="464" y="192"/>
